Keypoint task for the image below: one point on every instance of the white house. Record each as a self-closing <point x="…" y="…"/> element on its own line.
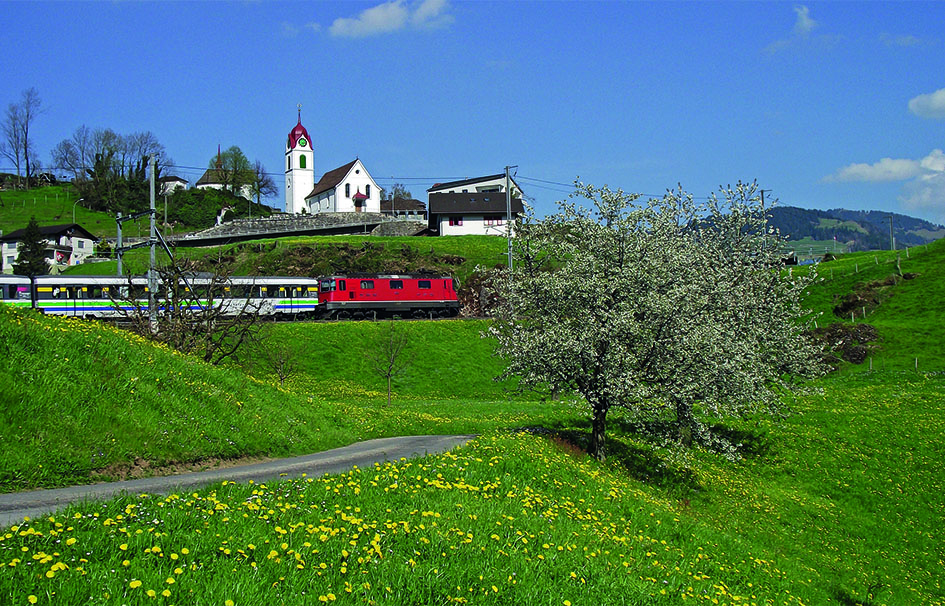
<point x="170" y="184"/>
<point x="346" y="189"/>
<point x="67" y="244"/>
<point x="473" y="206"/>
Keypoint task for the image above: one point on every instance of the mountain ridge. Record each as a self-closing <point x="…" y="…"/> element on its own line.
<point x="857" y="230"/>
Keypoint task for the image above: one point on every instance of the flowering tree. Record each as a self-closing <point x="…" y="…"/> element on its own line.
<point x="666" y="307"/>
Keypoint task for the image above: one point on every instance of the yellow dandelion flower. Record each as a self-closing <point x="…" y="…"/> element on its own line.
<point x="135" y="584"/>
<point x="166" y="593"/>
<point x="32" y="599"/>
<point x="151" y="593"/>
<point x="228" y="603"/>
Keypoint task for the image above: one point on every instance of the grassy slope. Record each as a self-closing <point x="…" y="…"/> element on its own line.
<point x="51" y="206"/>
<point x="838" y="504"/>
<point x="469" y="252"/>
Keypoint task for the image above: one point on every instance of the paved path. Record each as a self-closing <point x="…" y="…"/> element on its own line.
<point x="14" y="506"/>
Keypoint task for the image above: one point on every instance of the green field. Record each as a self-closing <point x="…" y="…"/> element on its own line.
<point x="840" y="503"/>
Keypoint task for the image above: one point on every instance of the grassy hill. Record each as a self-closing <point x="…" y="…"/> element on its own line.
<point x="838" y="504"/>
<point x="850" y="230"/>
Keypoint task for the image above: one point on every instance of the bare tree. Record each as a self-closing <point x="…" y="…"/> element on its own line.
<point x="10" y="146"/>
<point x="388" y="358"/>
<point x="262" y="186"/>
<point x="278" y="356"/>
<point x="195" y="315"/>
<point x="17" y="145"/>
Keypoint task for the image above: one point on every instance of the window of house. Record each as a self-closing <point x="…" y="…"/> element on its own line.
<point x="10" y="259"/>
<point x="456" y="221"/>
<point x="423" y="284"/>
<point x="493" y="219"/>
<point x="367" y="284"/>
<point x="81" y="243"/>
<point x="396" y="284"/>
<point x="347" y="190"/>
<point x="302" y="161"/>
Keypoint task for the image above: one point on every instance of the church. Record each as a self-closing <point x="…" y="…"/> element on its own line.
<point x="346" y="189"/>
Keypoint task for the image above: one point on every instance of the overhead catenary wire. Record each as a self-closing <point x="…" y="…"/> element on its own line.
<point x="426" y="182"/>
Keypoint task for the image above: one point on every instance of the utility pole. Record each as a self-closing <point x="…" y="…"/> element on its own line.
<point x="892" y="238"/>
<point x="508" y="210"/>
<point x="152" y="275"/>
<point x="118" y="243"/>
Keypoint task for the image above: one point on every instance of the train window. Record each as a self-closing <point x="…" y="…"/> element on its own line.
<point x="396" y="284"/>
<point x="367" y="284"/>
<point x="341" y="285"/>
<point x="327" y="285"/>
<point x="423" y="284"/>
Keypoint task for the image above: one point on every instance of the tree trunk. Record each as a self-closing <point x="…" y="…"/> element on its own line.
<point x="685" y="423"/>
<point x="598" y="425"/>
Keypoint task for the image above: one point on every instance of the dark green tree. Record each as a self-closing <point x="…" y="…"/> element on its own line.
<point x="32" y="258"/>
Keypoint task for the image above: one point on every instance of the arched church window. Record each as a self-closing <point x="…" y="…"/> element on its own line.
<point x="367" y="190"/>
<point x="289" y="165"/>
<point x="347" y="190"/>
<point x="302" y="161"/>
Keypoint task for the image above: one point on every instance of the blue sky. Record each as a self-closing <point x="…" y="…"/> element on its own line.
<point x="828" y="105"/>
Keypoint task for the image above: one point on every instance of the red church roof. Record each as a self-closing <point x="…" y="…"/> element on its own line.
<point x="296" y="133"/>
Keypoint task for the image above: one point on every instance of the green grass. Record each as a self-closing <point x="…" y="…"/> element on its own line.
<point x="909" y="319"/>
<point x="838" y="504"/>
<point x="55" y="204"/>
<point x="52" y="205"/>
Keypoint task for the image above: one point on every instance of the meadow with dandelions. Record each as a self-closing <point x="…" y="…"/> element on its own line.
<point x="840" y="503"/>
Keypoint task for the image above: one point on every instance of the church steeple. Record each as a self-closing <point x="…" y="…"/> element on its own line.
<point x="300" y="169"/>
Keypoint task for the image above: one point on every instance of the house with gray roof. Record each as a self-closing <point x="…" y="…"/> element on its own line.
<point x="473" y="206"/>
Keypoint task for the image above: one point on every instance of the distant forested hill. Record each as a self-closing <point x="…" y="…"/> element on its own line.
<point x="857" y="229"/>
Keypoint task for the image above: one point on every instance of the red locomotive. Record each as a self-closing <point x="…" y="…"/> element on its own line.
<point x="361" y="296"/>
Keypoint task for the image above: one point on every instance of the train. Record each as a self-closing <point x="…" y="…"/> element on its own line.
<point x="335" y="297"/>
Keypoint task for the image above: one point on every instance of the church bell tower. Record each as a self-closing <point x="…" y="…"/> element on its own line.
<point x="299" y="168"/>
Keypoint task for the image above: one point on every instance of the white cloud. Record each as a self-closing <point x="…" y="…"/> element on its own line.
<point x="887" y="169"/>
<point x="924" y="189"/>
<point x="804" y="23"/>
<point x="926" y="195"/>
<point x="432" y="14"/>
<point x="380" y="19"/>
<point x="800" y="36"/>
<point x="393" y="16"/>
<point x="934" y="162"/>
<point x="905" y="40"/>
<point x="931" y="105"/>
